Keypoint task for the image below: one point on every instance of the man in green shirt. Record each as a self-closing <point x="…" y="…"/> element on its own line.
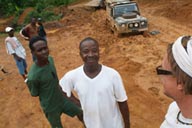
<point x="42" y="81"/>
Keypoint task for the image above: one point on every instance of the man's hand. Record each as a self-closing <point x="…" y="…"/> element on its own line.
<point x="17" y="57"/>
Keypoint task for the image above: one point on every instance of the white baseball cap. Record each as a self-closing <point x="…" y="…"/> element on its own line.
<point x="39" y="19"/>
<point x="8" y="29"/>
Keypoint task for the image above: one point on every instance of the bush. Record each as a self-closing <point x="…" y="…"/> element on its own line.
<point x="40" y="7"/>
<point x="43" y="9"/>
<point x="45" y="15"/>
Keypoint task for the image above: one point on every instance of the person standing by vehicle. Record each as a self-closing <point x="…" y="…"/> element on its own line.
<point x="29" y="30"/>
<point x="43" y="82"/>
<point x="41" y="30"/>
<point x="15" y="48"/>
<point x="176" y="75"/>
<point x="99" y="88"/>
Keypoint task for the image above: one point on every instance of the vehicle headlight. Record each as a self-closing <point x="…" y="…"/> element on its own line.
<point x="136" y="25"/>
<point x="143" y="23"/>
<point x="130" y="25"/>
<point x="123" y="25"/>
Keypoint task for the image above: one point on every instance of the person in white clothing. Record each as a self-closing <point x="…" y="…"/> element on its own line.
<point x="176" y="75"/>
<point x="100" y="90"/>
<point x="15" y="48"/>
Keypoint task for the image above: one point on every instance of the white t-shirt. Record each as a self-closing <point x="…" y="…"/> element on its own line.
<point x="98" y="96"/>
<point x="171" y="118"/>
<point x="17" y="49"/>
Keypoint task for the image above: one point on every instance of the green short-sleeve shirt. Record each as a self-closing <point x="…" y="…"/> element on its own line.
<point x="43" y="82"/>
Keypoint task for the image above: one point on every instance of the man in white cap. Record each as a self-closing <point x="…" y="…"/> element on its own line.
<point x="176" y="75"/>
<point x="15" y="48"/>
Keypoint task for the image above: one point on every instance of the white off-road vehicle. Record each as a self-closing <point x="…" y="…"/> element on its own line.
<point x="123" y="16"/>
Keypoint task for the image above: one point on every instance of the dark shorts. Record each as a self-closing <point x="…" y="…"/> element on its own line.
<point x="68" y="108"/>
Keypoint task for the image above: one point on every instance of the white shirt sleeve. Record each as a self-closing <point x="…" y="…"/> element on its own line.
<point x="119" y="89"/>
<point x="9" y="48"/>
<point x="66" y="84"/>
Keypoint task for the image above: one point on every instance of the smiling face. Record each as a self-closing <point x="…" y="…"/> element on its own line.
<point x="89" y="52"/>
<point x="41" y="51"/>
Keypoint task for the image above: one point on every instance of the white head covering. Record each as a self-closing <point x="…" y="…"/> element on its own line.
<point x="183" y="57"/>
<point x="8" y="29"/>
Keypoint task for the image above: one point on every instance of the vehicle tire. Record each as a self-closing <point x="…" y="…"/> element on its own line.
<point x="117" y="34"/>
<point x="108" y="26"/>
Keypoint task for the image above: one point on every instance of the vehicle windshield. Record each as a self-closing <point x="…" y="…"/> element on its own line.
<point x="123" y="9"/>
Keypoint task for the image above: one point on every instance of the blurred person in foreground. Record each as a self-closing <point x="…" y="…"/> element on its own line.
<point x="15" y="48"/>
<point x="99" y="88"/>
<point x="43" y="81"/>
<point x="176" y="75"/>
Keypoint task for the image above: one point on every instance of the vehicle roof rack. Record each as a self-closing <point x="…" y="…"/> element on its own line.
<point x="117" y="1"/>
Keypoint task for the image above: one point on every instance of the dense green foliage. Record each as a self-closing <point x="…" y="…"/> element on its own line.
<point x="9" y="7"/>
<point x="42" y="8"/>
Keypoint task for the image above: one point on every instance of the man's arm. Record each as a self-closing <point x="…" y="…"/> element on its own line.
<point x="123" y="106"/>
<point x="33" y="87"/>
<point x="72" y="98"/>
<point x="16" y="57"/>
<point x="24" y="33"/>
<point x="75" y="101"/>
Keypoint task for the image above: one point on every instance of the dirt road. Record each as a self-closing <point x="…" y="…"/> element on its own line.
<point x="135" y="57"/>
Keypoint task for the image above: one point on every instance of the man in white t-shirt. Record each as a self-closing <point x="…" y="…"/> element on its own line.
<point x="15" y="48"/>
<point x="100" y="90"/>
<point x="176" y="75"/>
